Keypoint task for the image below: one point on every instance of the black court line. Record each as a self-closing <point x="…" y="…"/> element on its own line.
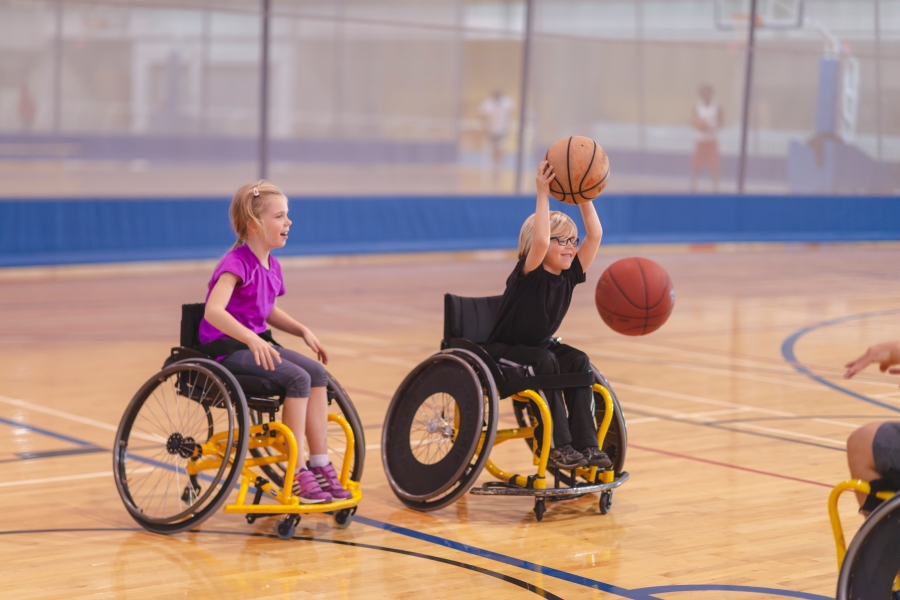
<point x="496" y="575"/>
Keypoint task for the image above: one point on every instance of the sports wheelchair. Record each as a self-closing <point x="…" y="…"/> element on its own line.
<point x="184" y="440"/>
<point x="442" y="423"/>
<point x="869" y="567"/>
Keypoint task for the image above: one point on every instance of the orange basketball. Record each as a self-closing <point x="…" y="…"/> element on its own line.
<point x="635" y="296"/>
<point x="581" y="167"/>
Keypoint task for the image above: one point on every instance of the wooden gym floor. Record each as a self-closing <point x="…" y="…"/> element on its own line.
<point x="736" y="411"/>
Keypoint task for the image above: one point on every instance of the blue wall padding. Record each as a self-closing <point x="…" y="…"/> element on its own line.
<point x="40" y="232"/>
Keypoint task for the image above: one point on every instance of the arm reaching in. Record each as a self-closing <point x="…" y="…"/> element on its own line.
<point x="593" y="233"/>
<point x="263" y="352"/>
<point x="540" y="232"/>
<point x="283" y="321"/>
<point x="886" y="354"/>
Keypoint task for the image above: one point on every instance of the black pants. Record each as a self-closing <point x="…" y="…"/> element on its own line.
<point x="577" y="426"/>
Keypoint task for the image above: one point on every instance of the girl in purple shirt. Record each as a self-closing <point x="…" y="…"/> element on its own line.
<point x="240" y="305"/>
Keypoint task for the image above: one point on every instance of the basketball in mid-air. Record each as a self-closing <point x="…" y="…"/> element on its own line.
<point x="635" y="296"/>
<point x="581" y="167"/>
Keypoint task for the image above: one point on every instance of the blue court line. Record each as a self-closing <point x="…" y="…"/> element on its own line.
<point x="635" y="594"/>
<point x="46" y="432"/>
<point x="787" y="352"/>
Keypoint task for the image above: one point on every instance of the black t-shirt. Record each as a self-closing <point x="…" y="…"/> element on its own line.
<point x="534" y="305"/>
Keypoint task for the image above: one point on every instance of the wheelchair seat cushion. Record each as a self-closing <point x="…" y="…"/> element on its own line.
<point x="259" y="386"/>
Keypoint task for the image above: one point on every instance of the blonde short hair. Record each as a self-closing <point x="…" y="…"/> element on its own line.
<point x="560" y="224"/>
<point x="247" y="206"/>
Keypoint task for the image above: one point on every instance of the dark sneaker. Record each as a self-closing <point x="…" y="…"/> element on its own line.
<point x="566" y="457"/>
<point x="329" y="482"/>
<point x="596" y="458"/>
<point x="308" y="489"/>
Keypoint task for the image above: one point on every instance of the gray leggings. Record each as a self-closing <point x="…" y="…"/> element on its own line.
<point x="296" y="373"/>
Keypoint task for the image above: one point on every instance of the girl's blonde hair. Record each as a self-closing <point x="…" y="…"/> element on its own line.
<point x="560" y="224"/>
<point x="247" y="206"/>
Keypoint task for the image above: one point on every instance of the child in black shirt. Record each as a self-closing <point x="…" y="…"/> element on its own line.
<point x="537" y="297"/>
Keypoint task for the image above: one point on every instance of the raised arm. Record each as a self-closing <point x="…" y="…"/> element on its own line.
<point x="540" y="232"/>
<point x="593" y="232"/>
<point x="265" y="355"/>
<point x="886" y="354"/>
<point x="285" y="322"/>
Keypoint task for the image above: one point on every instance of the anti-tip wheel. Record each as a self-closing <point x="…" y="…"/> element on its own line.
<point x="539" y="508"/>
<point x="286" y="526"/>
<point x="605" y="502"/>
<point x="343" y="518"/>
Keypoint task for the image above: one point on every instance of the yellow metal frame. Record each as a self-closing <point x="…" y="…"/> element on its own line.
<point x="856" y="485"/>
<point x="279" y="437"/>
<point x="538" y="480"/>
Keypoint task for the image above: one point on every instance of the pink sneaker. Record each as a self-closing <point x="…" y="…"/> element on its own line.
<point x="307" y="488"/>
<point x="329" y="482"/>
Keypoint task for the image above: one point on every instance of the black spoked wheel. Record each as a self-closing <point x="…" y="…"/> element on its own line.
<point x="340" y="403"/>
<point x="436" y="419"/>
<point x="873" y="558"/>
<point x="616" y="441"/>
<point x="181" y="408"/>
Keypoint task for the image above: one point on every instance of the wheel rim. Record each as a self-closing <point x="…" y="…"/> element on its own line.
<point x="165" y="427"/>
<point x="434" y="428"/>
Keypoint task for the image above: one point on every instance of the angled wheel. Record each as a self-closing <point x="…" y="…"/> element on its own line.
<point x="873" y="558"/>
<point x="340" y="403"/>
<point x="433" y="427"/>
<point x="184" y="406"/>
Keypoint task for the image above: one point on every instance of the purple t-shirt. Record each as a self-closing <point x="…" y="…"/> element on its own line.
<point x="254" y="296"/>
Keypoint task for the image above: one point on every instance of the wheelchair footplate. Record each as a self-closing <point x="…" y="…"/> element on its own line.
<point x="286" y="503"/>
<point x="499" y="488"/>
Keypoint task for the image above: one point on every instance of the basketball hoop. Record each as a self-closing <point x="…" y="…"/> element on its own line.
<point x="770" y="14"/>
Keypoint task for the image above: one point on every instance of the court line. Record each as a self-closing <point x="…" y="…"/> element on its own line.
<point x="787" y="352"/>
<point x="632" y="594"/>
<point x="447" y="561"/>
<point x="527" y="565"/>
<point x="729" y="465"/>
<point x="46" y="432"/>
<point x="716" y="425"/>
<point x="95" y="475"/>
<point x="58" y="413"/>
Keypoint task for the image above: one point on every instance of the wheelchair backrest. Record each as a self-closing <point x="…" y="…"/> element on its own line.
<point x="191" y="315"/>
<point x="469" y="318"/>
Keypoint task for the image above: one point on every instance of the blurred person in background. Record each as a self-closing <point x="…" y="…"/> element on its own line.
<point x="706" y="120"/>
<point x="27" y="109"/>
<point x="495" y="113"/>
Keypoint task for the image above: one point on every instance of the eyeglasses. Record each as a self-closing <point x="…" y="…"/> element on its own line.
<point x="563" y="241"/>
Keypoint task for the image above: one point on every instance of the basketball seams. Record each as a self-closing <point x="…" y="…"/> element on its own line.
<point x="569" y="166"/>
<point x="584" y="175"/>
<point x="621" y="291"/>
<point x="646" y="294"/>
<point x="666" y="289"/>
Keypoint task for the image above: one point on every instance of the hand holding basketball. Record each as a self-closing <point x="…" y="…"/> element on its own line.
<point x="635" y="296"/>
<point x="543" y="178"/>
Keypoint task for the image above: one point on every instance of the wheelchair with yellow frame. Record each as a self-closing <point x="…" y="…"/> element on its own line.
<point x="868" y="568"/>
<point x="442" y="423"/>
<point x="195" y="431"/>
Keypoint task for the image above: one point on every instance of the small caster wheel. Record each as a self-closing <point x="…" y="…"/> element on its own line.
<point x="343" y="518"/>
<point x="251" y="518"/>
<point x="191" y="491"/>
<point x="605" y="502"/>
<point x="539" y="509"/>
<point x="286" y="525"/>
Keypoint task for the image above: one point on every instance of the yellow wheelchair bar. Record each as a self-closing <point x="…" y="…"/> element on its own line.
<point x="539" y="481"/>
<point x="857" y="485"/>
<point x="261" y="436"/>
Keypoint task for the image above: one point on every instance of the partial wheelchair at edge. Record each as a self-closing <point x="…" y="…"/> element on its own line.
<point x="868" y="569"/>
<point x="442" y="423"/>
<point x="184" y="440"/>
